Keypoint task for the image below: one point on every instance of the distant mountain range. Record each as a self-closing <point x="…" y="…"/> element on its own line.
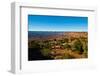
<point x="49" y="35"/>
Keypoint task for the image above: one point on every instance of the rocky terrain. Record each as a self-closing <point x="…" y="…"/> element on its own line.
<point x="61" y="45"/>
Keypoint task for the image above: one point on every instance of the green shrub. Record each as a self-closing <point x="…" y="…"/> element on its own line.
<point x="45" y="51"/>
<point x="77" y="46"/>
<point x="35" y="44"/>
<point x="85" y="47"/>
<point x="66" y="46"/>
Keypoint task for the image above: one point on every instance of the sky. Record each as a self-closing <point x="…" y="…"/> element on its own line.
<point x="57" y="23"/>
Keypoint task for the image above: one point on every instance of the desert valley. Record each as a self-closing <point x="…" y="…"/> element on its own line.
<point x="48" y="45"/>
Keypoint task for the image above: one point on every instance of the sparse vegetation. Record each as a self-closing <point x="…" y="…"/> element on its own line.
<point x="61" y="48"/>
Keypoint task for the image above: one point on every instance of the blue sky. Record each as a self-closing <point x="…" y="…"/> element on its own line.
<point x="57" y="23"/>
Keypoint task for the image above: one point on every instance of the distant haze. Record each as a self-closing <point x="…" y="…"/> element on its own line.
<point x="57" y="23"/>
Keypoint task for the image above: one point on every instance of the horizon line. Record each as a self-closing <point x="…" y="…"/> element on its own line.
<point x="59" y="31"/>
